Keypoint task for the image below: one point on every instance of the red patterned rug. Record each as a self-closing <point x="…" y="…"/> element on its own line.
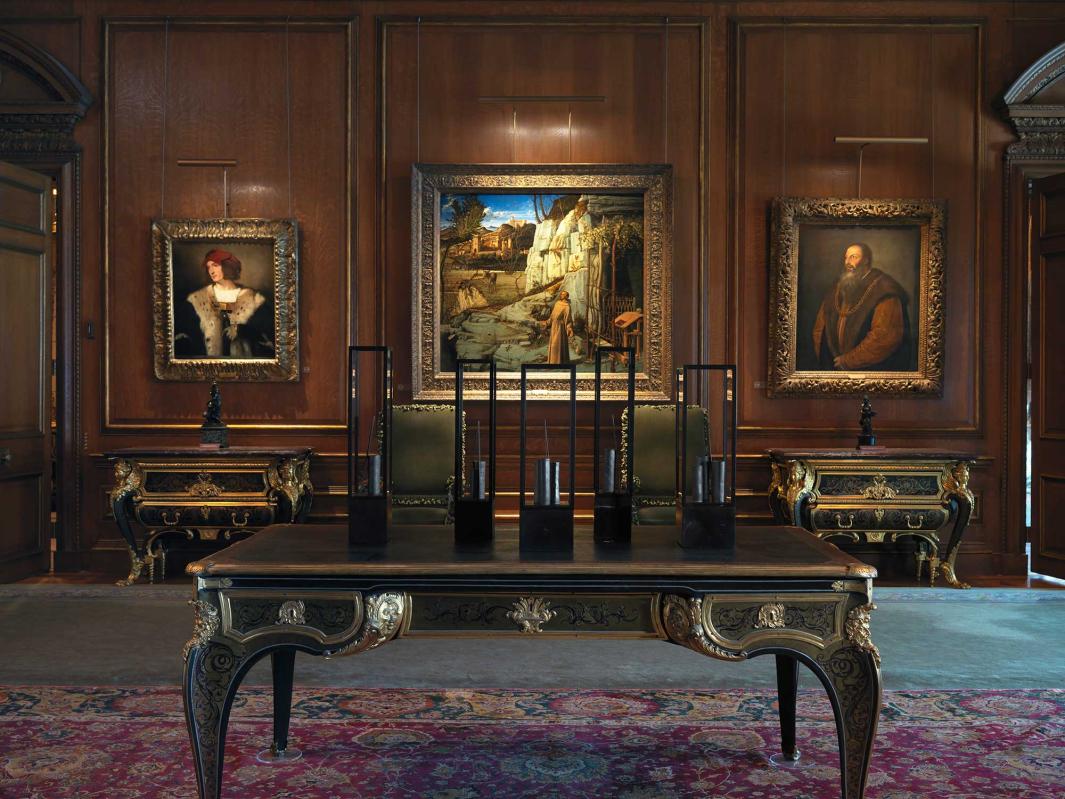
<point x="61" y="743"/>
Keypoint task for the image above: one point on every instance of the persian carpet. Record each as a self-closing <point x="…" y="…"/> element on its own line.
<point x="131" y="743"/>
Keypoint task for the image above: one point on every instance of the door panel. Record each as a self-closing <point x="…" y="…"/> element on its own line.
<point x="19" y="207"/>
<point x="21" y="344"/>
<point x="25" y="361"/>
<point x="1051" y="279"/>
<point x="20" y="497"/>
<point x="1048" y="376"/>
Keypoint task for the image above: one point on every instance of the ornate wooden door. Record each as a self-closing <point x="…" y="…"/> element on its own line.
<point x="25" y="370"/>
<point x="1048" y="375"/>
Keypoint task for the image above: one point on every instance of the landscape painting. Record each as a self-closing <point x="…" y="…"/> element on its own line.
<point x="530" y="276"/>
<point x="539" y="278"/>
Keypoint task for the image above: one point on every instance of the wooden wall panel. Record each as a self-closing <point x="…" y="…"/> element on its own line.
<point x="59" y="37"/>
<point x="441" y="102"/>
<point x="742" y="98"/>
<point x="882" y="79"/>
<point x="281" y="109"/>
<point x="795" y="101"/>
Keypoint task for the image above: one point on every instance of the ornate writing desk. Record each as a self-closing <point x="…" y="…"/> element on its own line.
<point x="301" y="587"/>
<point x="878" y="495"/>
<point x="206" y="493"/>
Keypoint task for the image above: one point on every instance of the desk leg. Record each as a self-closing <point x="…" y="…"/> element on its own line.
<point x="787" y="689"/>
<point x="215" y="665"/>
<point x="283" y="664"/>
<point x="854" y="678"/>
<point x="212" y="673"/>
<point x="849" y="670"/>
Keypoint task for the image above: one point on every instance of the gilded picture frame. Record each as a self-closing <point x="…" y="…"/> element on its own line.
<point x="856" y="297"/>
<point x="225" y="299"/>
<point x="540" y="264"/>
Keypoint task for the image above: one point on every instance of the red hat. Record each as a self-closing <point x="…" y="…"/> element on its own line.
<point x="219" y="257"/>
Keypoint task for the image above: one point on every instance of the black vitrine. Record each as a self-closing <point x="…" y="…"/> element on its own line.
<point x="546" y="524"/>
<point x="706" y="477"/>
<point x="369" y="444"/>
<point x="474" y="486"/>
<point x="613" y="448"/>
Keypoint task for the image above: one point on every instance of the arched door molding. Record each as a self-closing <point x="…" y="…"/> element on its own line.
<point x="1035" y="107"/>
<point x="41" y="101"/>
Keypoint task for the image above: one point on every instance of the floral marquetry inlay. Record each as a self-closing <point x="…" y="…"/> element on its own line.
<point x="531" y="614"/>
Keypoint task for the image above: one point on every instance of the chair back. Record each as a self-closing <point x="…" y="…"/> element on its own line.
<point x="423" y="460"/>
<point x="654" y="464"/>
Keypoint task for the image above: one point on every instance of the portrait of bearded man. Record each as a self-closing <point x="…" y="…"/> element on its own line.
<point x="863" y="322"/>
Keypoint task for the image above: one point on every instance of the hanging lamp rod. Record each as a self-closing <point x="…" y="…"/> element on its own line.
<point x="541" y="98"/>
<point x="220" y="162"/>
<point x="881" y="140"/>
<point x="225" y="164"/>
<point x="865" y="141"/>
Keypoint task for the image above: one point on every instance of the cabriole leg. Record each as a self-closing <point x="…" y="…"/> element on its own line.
<point x="851" y="673"/>
<point x="209" y="687"/>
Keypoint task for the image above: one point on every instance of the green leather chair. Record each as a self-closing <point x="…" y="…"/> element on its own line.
<point x="654" y="466"/>
<point x="423" y="463"/>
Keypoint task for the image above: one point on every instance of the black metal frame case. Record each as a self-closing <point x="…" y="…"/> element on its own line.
<point x="704" y="523"/>
<point x="474" y="520"/>
<point x="613" y="509"/>
<point x="369" y="514"/>
<point x="547" y="527"/>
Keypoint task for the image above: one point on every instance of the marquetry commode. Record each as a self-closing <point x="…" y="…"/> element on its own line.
<point x="878" y="495"/>
<point x="299" y="587"/>
<point x="209" y="494"/>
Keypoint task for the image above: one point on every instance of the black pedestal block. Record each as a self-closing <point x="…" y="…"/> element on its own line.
<point x="546" y="528"/>
<point x="613" y="518"/>
<point x="473" y="522"/>
<point x="705" y="525"/>
<point x="368" y="520"/>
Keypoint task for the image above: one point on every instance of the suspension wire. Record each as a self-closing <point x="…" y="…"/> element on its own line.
<point x="288" y="114"/>
<point x="166" y="81"/>
<point x="418" y="92"/>
<point x="665" y="93"/>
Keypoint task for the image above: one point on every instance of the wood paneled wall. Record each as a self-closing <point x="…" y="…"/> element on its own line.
<point x="797" y="87"/>
<point x="743" y="98"/>
<point x="275" y="96"/>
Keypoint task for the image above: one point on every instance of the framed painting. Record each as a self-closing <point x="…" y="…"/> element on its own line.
<point x="226" y="300"/>
<point x="532" y="264"/>
<point x="856" y="297"/>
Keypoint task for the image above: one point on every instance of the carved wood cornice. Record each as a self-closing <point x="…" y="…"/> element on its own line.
<point x="43" y="124"/>
<point x="1040" y="128"/>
